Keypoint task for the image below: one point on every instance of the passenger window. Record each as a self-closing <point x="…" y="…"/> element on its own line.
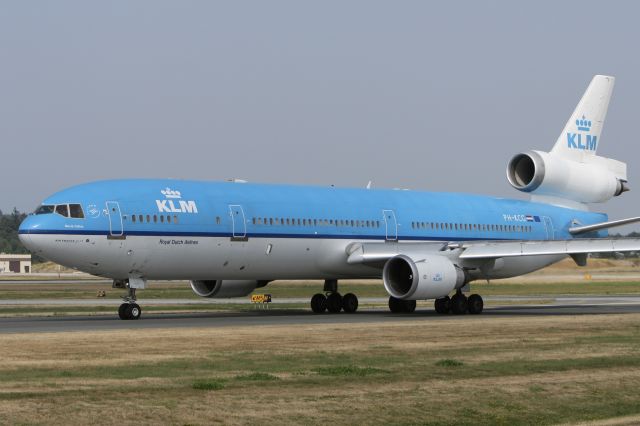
<point x="148" y="218"/>
<point x="140" y="218"/>
<point x="161" y="219"/>
<point x="63" y="210"/>
<point x="133" y="218"/>
<point x="175" y="219"/>
<point x="75" y="211"/>
<point x="155" y="218"/>
<point x="168" y="219"/>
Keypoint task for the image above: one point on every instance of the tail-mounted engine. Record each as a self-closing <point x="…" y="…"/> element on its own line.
<point x="594" y="181"/>
<point x="429" y="277"/>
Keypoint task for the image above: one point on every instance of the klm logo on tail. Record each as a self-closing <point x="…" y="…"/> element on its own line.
<point x="168" y="206"/>
<point x="575" y="141"/>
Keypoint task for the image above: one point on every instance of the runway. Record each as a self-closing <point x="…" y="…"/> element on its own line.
<point x="290" y="317"/>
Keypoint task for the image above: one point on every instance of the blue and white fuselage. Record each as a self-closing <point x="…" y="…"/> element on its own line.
<point x="170" y="229"/>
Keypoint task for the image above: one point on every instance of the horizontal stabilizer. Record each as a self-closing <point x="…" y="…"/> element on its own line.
<point x="602" y="225"/>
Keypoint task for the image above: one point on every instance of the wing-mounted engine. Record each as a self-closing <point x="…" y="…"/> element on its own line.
<point x="220" y="289"/>
<point x="426" y="277"/>
<point x="541" y="173"/>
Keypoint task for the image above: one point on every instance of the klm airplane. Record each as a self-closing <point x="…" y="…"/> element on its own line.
<point x="230" y="238"/>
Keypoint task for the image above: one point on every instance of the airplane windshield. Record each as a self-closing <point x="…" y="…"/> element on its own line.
<point x="44" y="209"/>
<point x="67" y="210"/>
<point x="76" y="211"/>
<point x="63" y="210"/>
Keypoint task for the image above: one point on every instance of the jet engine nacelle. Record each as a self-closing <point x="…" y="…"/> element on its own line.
<point x="225" y="288"/>
<point x="429" y="277"/>
<point x="593" y="181"/>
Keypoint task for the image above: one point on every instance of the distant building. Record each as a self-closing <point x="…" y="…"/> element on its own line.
<point x="18" y="263"/>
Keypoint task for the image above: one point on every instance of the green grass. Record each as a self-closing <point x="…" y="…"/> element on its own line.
<point x="347" y="370"/>
<point x="422" y="383"/>
<point x="449" y="363"/>
<point x="208" y="384"/>
<point x="257" y="377"/>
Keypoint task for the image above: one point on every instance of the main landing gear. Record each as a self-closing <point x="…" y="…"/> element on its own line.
<point x="398" y="306"/>
<point x="129" y="310"/>
<point x="459" y="304"/>
<point x="333" y="301"/>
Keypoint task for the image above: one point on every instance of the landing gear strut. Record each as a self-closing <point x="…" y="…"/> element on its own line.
<point x="333" y="301"/>
<point x="129" y="310"/>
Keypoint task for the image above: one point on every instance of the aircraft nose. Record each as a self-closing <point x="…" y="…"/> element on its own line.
<point x="24" y="232"/>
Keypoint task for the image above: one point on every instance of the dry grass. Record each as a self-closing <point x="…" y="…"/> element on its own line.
<point x="510" y="370"/>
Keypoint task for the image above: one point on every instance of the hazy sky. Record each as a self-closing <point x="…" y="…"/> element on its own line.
<point x="430" y="96"/>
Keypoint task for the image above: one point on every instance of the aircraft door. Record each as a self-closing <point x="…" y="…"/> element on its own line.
<point x="548" y="226"/>
<point x="391" y="225"/>
<point x="115" y="219"/>
<point x="238" y="221"/>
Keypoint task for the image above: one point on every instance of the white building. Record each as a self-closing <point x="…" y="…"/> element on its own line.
<point x="18" y="263"/>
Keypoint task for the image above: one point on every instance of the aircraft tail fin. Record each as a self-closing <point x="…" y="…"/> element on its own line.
<point x="580" y="137"/>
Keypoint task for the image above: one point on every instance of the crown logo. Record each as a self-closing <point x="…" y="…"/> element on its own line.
<point x="583" y="124"/>
<point x="170" y="193"/>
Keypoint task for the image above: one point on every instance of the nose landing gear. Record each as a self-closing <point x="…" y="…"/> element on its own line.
<point x="129" y="310"/>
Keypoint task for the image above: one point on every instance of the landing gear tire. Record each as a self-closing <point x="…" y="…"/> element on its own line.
<point x="443" y="305"/>
<point x="409" y="306"/>
<point x="122" y="311"/>
<point x="350" y="303"/>
<point x="134" y="311"/>
<point x="459" y="304"/>
<point x="129" y="311"/>
<point x="475" y="304"/>
<point x="318" y="303"/>
<point x="398" y="306"/>
<point x="334" y="303"/>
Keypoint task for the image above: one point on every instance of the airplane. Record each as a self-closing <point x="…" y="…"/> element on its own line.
<point x="230" y="238"/>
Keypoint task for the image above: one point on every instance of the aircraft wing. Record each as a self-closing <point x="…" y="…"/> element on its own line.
<point x="377" y="252"/>
<point x="536" y="248"/>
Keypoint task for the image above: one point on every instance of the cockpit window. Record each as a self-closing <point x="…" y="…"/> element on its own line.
<point x="62" y="209"/>
<point x="44" y="209"/>
<point x="75" y="211"/>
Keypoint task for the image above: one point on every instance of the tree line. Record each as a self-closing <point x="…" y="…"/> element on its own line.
<point x="9" y="224"/>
